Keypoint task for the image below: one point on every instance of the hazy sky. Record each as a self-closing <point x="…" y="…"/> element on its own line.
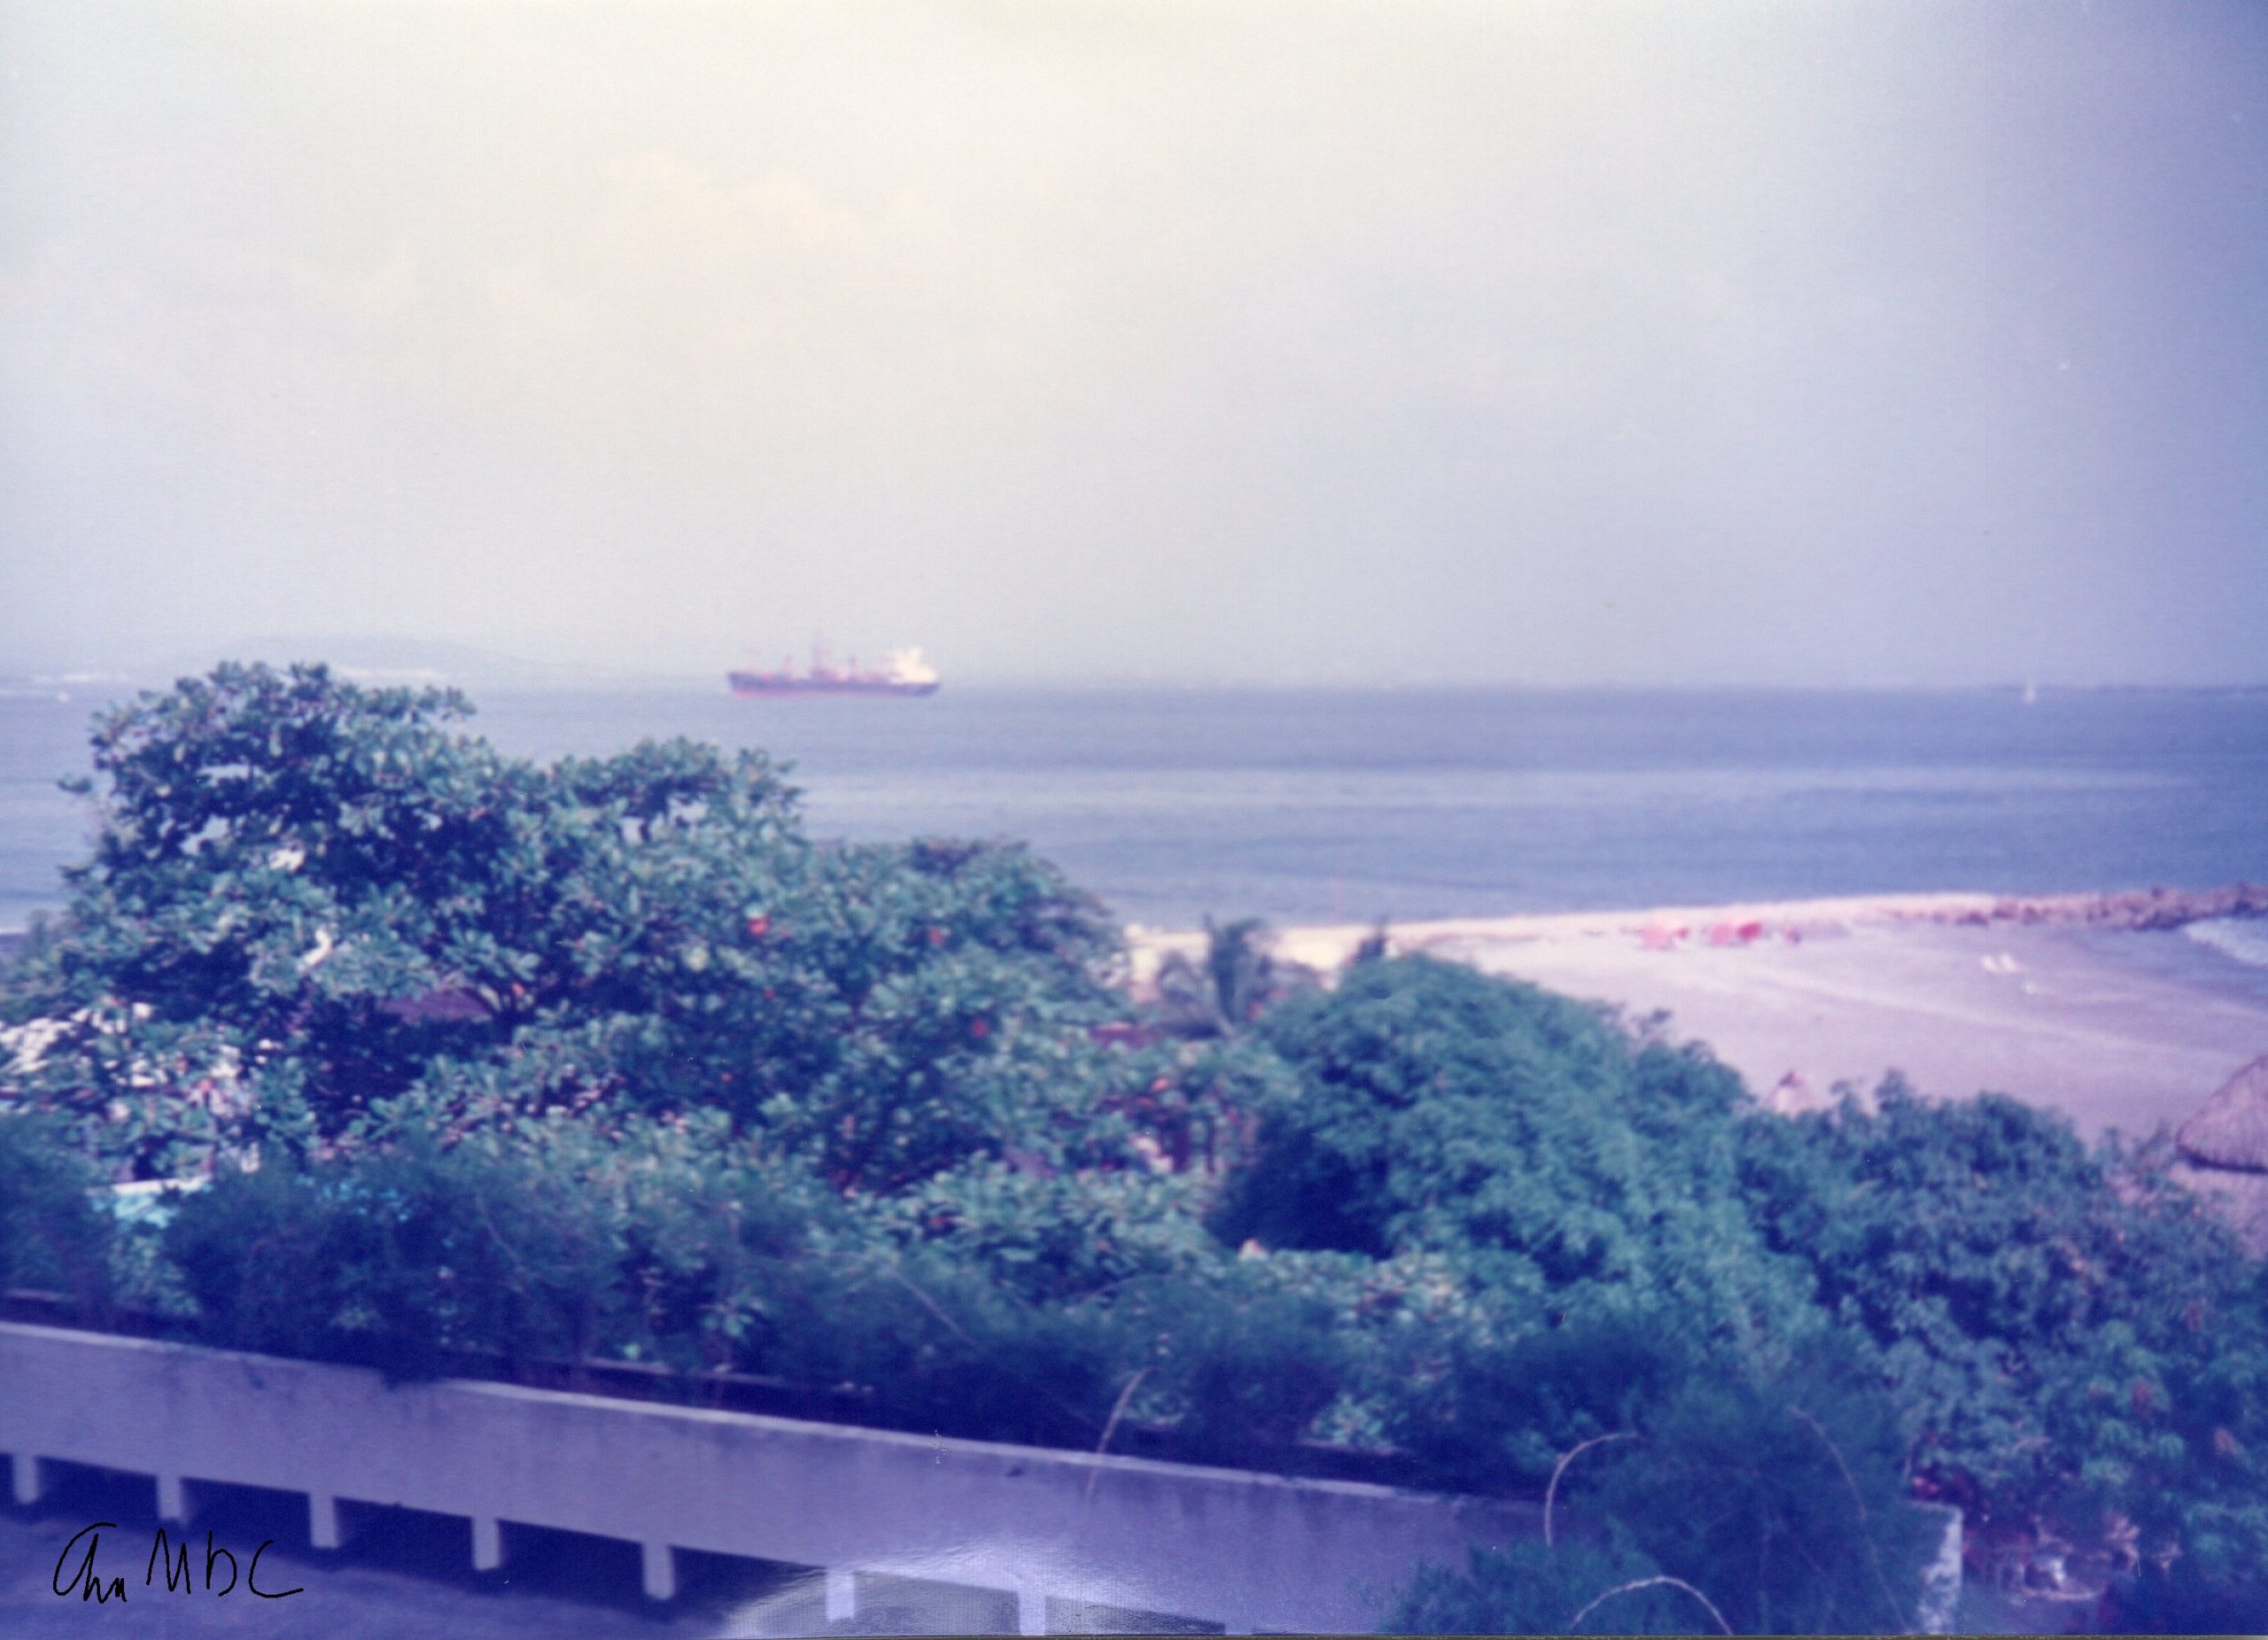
<point x="1886" y="342"/>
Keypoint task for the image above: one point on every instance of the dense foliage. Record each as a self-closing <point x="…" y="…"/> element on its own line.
<point x="472" y="1060"/>
<point x="1444" y="1111"/>
<point x="2073" y="1338"/>
<point x="1774" y="1494"/>
<point x="307" y="899"/>
<point x="51" y="1234"/>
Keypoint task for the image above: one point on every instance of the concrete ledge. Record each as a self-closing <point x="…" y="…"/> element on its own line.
<point x="1244" y="1550"/>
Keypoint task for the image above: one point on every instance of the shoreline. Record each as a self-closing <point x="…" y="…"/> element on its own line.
<point x="1960" y="993"/>
<point x="1328" y="946"/>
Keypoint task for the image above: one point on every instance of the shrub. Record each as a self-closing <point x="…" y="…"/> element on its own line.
<point x="1487" y="1416"/>
<point x="1439" y="1109"/>
<point x="1531" y="1588"/>
<point x="928" y="1346"/>
<point x="1780" y="1492"/>
<point x="52" y="1235"/>
<point x="2070" y="1336"/>
<point x="2182" y="1598"/>
<point x="1249" y="1366"/>
<point x="399" y="1261"/>
<point x="1776" y="1493"/>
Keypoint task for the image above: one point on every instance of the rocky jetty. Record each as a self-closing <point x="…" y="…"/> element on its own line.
<point x="2141" y="908"/>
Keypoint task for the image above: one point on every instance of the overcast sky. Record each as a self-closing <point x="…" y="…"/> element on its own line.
<point x="1854" y="343"/>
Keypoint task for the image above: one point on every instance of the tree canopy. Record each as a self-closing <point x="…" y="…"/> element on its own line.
<point x="1442" y="1110"/>
<point x="309" y="899"/>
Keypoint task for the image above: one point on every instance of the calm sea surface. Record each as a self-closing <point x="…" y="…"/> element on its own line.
<point x="1306" y="806"/>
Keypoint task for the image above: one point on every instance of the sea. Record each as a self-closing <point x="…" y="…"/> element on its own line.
<point x="1310" y="805"/>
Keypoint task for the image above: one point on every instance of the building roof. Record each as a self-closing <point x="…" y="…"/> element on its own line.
<point x="2230" y="1130"/>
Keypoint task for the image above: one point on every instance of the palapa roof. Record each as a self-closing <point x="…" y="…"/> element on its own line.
<point x="2230" y="1130"/>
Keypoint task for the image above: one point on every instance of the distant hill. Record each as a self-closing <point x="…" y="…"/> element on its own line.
<point x="390" y="662"/>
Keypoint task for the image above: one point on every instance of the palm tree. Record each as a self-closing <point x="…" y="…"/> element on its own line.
<point x="1237" y="980"/>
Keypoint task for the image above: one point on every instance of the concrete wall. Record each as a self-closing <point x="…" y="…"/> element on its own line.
<point x="1249" y="1552"/>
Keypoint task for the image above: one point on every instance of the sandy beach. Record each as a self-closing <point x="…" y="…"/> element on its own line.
<point x="2050" y="1000"/>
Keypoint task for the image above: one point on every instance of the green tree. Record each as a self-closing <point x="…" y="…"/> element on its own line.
<point x="310" y="899"/>
<point x="1439" y="1109"/>
<point x="2073" y="1338"/>
<point x="1238" y="979"/>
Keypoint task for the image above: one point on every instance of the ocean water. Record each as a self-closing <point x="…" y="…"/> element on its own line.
<point x="1316" y="805"/>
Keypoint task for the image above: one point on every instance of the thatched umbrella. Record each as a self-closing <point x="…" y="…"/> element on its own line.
<point x="2230" y="1130"/>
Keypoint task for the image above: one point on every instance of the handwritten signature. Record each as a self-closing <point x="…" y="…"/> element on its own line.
<point x="89" y="1584"/>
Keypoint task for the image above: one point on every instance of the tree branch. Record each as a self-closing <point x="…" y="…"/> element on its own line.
<point x="1866" y="1523"/>
<point x="1110" y="1428"/>
<point x="1648" y="1582"/>
<point x="1560" y="1468"/>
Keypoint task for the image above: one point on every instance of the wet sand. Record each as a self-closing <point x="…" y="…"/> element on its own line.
<point x="2047" y="1015"/>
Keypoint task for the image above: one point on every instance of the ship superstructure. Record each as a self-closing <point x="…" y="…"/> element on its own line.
<point x="904" y="673"/>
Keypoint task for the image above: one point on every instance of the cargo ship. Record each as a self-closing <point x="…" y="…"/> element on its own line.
<point x="906" y="672"/>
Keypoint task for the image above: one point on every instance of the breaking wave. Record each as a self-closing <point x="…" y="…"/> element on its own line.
<point x="2243" y="939"/>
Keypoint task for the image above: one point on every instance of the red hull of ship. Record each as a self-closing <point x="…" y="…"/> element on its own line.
<point x="755" y="683"/>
